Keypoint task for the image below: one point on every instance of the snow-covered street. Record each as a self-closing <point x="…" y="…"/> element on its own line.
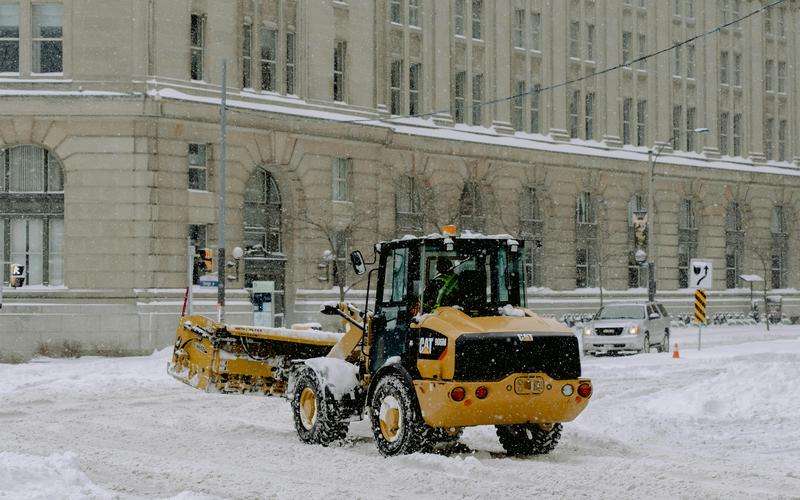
<point x="723" y="422"/>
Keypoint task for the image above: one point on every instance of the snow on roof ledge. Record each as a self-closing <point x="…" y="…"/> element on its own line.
<point x="426" y="128"/>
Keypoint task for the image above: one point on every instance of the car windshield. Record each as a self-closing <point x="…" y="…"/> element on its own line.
<point x="476" y="276"/>
<point x="621" y="312"/>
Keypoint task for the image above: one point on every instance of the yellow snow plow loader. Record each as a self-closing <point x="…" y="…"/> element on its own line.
<point x="446" y="344"/>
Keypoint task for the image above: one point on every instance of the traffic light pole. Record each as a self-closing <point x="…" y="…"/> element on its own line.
<point x="221" y="197"/>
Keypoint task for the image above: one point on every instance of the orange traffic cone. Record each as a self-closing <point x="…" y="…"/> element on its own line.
<point x="675" y="353"/>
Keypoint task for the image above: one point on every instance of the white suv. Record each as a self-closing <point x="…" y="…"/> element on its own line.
<point x="627" y="327"/>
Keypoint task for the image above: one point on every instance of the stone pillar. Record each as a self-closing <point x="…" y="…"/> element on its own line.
<point x="558" y="62"/>
<point x="709" y="84"/>
<point x="500" y="52"/>
<point x="754" y="87"/>
<point x="612" y="34"/>
<point x="660" y="76"/>
<point x="441" y="39"/>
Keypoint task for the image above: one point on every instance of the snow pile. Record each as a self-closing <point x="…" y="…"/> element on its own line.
<point x="509" y="310"/>
<point x="340" y="376"/>
<point x="56" y="476"/>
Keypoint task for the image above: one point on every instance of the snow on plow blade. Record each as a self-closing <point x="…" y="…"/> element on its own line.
<point x="214" y="357"/>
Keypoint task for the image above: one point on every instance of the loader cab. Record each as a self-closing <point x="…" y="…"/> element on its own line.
<point x="417" y="276"/>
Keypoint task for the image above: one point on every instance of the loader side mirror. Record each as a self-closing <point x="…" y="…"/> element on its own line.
<point x="358" y="262"/>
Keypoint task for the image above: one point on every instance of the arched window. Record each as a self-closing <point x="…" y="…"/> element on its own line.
<point x="263" y="224"/>
<point x="470" y="209"/>
<point x="531" y="230"/>
<point x="586" y="241"/>
<point x="780" y="247"/>
<point x="32" y="214"/>
<point x="637" y="274"/>
<point x="734" y="244"/>
<point x="408" y="207"/>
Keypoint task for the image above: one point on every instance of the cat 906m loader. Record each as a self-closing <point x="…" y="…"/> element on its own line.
<point x="446" y="344"/>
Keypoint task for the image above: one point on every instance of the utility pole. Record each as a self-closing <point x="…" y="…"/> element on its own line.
<point x="651" y="234"/>
<point x="221" y="197"/>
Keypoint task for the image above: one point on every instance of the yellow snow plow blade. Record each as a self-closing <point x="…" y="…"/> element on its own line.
<point x="241" y="359"/>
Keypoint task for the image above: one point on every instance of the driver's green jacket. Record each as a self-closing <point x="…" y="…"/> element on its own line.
<point x="448" y="289"/>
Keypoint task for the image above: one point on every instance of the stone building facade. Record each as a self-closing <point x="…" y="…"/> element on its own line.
<point x="110" y="148"/>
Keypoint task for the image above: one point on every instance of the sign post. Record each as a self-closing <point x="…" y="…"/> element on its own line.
<point x="701" y="279"/>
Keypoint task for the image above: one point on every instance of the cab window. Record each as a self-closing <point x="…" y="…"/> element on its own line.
<point x="395" y="274"/>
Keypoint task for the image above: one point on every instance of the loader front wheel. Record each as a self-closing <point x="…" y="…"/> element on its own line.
<point x="397" y="426"/>
<point x="316" y="416"/>
<point x="529" y="439"/>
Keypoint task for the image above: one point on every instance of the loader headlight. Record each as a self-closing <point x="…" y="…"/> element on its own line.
<point x="634" y="330"/>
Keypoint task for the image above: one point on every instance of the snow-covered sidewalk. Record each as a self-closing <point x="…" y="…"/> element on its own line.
<point x="721" y="422"/>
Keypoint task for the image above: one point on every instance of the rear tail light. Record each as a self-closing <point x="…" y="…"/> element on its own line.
<point x="481" y="392"/>
<point x="585" y="390"/>
<point x="458" y="394"/>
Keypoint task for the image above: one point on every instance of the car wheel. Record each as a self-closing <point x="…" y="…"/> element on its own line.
<point x="664" y="345"/>
<point x="397" y="425"/>
<point x="646" y="343"/>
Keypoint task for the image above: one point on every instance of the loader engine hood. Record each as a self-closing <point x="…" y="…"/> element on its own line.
<point x="493" y="347"/>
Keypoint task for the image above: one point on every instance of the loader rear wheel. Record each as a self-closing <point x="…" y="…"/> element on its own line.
<point x="316" y="415"/>
<point x="397" y="426"/>
<point x="529" y="439"/>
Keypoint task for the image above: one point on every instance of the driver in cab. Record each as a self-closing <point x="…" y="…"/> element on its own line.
<point x="443" y="287"/>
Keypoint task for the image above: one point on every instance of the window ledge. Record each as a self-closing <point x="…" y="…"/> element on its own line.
<point x="50" y="75"/>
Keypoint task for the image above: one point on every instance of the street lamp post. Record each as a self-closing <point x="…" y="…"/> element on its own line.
<point x="652" y="158"/>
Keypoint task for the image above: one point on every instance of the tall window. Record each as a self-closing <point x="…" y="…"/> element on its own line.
<point x="737" y="134"/>
<point x="197" y="36"/>
<point x="769" y="68"/>
<point x="247" y="55"/>
<point x="341" y="244"/>
<point x="574" y="98"/>
<point x="477" y="15"/>
<point x="339" y="61"/>
<point x="781" y="76"/>
<point x="291" y="62"/>
<point x="458" y="17"/>
<point x="723" y="132"/>
<point x="531" y="230"/>
<point x="536" y="31"/>
<point x="782" y="131"/>
<point x="395" y="11"/>
<point x="396" y="87"/>
<point x="32" y="214"/>
<point x="198" y="167"/>
<point x="574" y="38"/>
<point x="9" y="39"/>
<point x="769" y="126"/>
<point x="586" y="242"/>
<point x="627" y="105"/>
<point x="269" y="51"/>
<point x="641" y="122"/>
<point x="627" y="43"/>
<point x="341" y="179"/>
<point x="734" y="244"/>
<point x="408" y="209"/>
<point x="414" y="8"/>
<point x="691" y="114"/>
<point x="414" y="88"/>
<point x="687" y="240"/>
<point x="589" y="116"/>
<point x="518" y="107"/>
<point x="780" y="240"/>
<point x="536" y="121"/>
<point x="677" y="126"/>
<point x="459" y="93"/>
<point x="636" y="273"/>
<point x="737" y="69"/>
<point x="676" y="61"/>
<point x="477" y="99"/>
<point x="48" y="39"/>
<point x="641" y="43"/>
<point x="590" y="35"/>
<point x="724" y="61"/>
<point x="518" y="37"/>
<point x="471" y="210"/>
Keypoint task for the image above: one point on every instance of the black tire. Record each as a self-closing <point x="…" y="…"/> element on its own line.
<point x="397" y="425"/>
<point x="664" y="345"/>
<point x="646" y="343"/>
<point x="528" y="439"/>
<point x="325" y="426"/>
